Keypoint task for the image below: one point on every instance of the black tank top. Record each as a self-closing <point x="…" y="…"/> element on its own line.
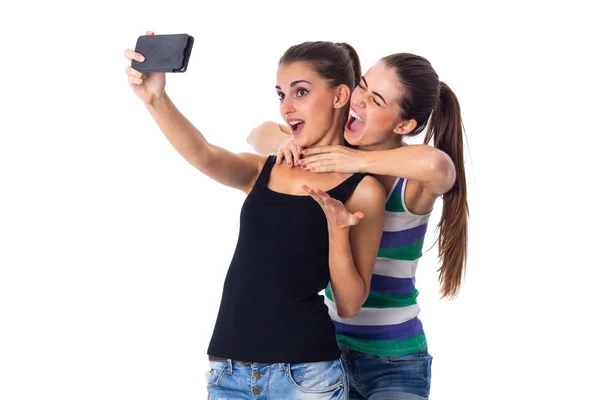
<point x="271" y="310"/>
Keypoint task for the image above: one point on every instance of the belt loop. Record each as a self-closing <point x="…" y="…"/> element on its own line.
<point x="282" y="366"/>
<point x="229" y="366"/>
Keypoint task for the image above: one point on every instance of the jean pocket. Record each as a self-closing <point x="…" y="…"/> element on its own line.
<point x="416" y="359"/>
<point x="317" y="377"/>
<point x="215" y="374"/>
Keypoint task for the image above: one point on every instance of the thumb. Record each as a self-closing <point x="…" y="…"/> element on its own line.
<point x="356" y="217"/>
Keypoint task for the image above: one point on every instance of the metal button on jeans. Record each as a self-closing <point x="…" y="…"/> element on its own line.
<point x="257" y="375"/>
<point x="256" y="390"/>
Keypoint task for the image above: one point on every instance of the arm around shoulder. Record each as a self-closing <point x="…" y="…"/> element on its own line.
<point x="426" y="164"/>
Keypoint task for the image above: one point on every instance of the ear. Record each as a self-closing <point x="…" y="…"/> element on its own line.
<point x="341" y="96"/>
<point x="405" y="127"/>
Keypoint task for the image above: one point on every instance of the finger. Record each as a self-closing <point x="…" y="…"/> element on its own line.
<point x="135" y="81"/>
<point x="134" y="72"/>
<point x="331" y="201"/>
<point x="314" y="195"/>
<point x="327" y="200"/>
<point x="132" y="55"/>
<point x="279" y="157"/>
<point x="355" y="218"/>
<point x="288" y="157"/>
<point x="319" y="150"/>
<point x="321" y="193"/>
<point x="295" y="154"/>
<point x="317" y="158"/>
<point x="320" y="166"/>
<point x="149" y="33"/>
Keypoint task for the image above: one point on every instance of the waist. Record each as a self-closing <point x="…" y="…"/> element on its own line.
<point x="221" y="359"/>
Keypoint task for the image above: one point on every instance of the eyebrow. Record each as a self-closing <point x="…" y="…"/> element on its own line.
<point x="294" y="83"/>
<point x="375" y="93"/>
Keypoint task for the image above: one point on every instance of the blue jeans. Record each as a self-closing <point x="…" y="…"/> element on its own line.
<point x="257" y="381"/>
<point x="388" y="378"/>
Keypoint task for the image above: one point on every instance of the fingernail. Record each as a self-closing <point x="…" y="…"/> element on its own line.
<point x="303" y="167"/>
<point x="141" y="58"/>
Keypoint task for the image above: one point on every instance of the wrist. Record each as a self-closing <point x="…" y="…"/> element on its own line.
<point x="158" y="101"/>
<point x="363" y="161"/>
<point x="339" y="233"/>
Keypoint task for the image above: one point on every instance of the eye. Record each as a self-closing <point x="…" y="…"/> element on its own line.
<point x="280" y="95"/>
<point x="361" y="86"/>
<point x="375" y="101"/>
<point x="302" y="92"/>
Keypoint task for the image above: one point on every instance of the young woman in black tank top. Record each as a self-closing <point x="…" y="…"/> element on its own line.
<point x="273" y="337"/>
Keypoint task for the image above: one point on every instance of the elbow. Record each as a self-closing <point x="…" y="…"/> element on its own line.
<point x="349" y="311"/>
<point x="442" y="172"/>
<point x="251" y="139"/>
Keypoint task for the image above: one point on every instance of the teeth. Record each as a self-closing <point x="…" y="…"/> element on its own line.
<point x="355" y="115"/>
<point x="294" y="122"/>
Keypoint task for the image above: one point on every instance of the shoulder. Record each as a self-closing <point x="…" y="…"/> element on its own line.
<point x="369" y="193"/>
<point x="255" y="160"/>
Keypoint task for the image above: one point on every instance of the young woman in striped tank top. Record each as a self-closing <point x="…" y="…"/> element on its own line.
<point x="384" y="345"/>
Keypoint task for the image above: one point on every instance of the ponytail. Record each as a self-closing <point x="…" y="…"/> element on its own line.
<point x="446" y="129"/>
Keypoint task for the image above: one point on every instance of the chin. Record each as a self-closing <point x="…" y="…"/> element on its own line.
<point x="304" y="140"/>
<point x="352" y="138"/>
<point x="301" y="142"/>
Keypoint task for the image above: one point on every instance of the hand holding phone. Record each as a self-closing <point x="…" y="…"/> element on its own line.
<point x="148" y="86"/>
<point x="163" y="53"/>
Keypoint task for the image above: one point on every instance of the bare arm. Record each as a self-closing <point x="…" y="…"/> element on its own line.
<point x="266" y="138"/>
<point x="353" y="243"/>
<point x="353" y="252"/>
<point x="422" y="163"/>
<point x="425" y="164"/>
<point x="235" y="170"/>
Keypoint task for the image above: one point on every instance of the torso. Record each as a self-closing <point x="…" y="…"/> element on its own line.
<point x="271" y="310"/>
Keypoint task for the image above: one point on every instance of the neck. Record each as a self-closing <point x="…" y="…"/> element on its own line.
<point x="392" y="142"/>
<point x="333" y="136"/>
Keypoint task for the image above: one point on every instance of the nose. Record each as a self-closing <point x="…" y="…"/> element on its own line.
<point x="359" y="100"/>
<point x="287" y="106"/>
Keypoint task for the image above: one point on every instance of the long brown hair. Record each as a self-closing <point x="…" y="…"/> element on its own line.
<point x="434" y="105"/>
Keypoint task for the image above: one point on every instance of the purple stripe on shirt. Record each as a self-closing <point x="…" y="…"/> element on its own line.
<point x="389" y="285"/>
<point x="405" y="330"/>
<point x="398" y="187"/>
<point x="389" y="240"/>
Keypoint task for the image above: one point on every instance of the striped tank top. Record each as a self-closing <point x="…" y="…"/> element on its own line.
<point x="388" y="323"/>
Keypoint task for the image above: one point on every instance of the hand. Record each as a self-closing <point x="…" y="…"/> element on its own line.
<point x="339" y="159"/>
<point x="148" y="87"/>
<point x="290" y="152"/>
<point x="335" y="212"/>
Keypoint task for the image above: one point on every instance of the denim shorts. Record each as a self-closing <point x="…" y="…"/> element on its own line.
<point x="388" y="378"/>
<point x="325" y="380"/>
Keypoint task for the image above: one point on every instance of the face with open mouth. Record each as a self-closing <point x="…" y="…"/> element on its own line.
<point x="306" y="103"/>
<point x="374" y="108"/>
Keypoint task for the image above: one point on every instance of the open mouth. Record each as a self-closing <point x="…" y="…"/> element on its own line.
<point x="355" y="122"/>
<point x="297" y="125"/>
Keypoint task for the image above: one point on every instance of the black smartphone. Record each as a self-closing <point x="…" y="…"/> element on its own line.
<point x="164" y="53"/>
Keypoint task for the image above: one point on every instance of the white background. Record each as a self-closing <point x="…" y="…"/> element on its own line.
<point x="113" y="249"/>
